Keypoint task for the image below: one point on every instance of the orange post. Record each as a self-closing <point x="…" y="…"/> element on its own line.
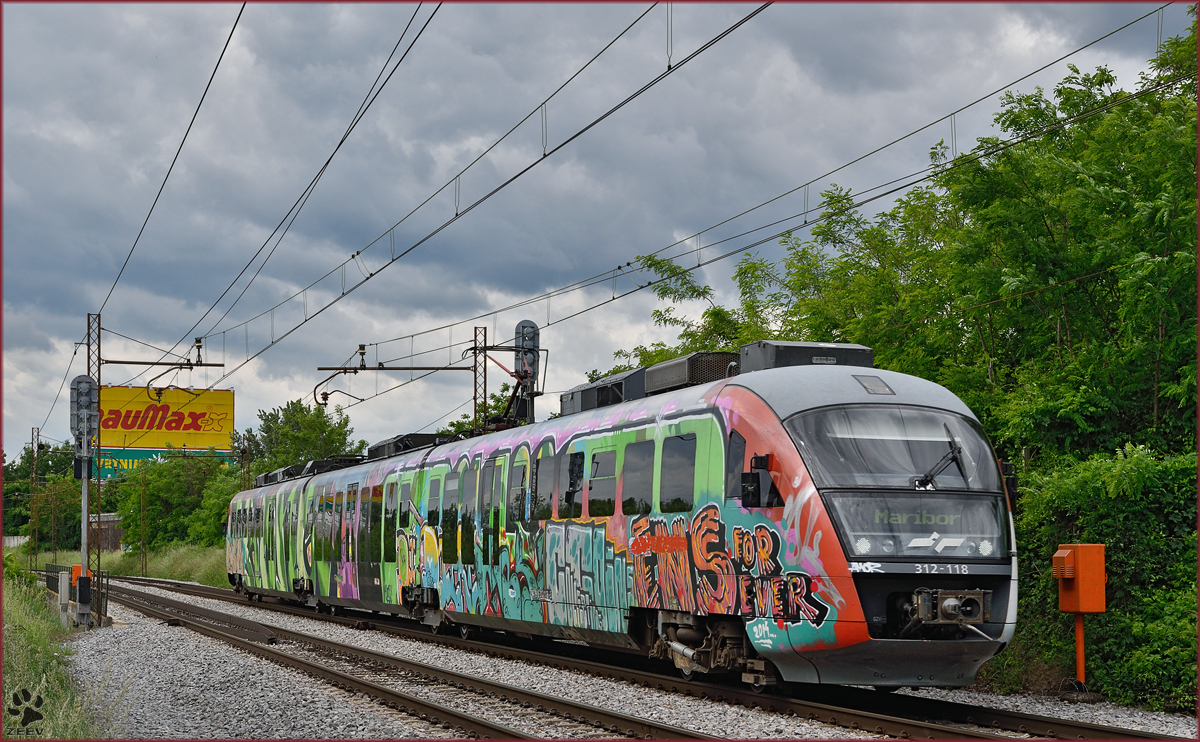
<point x="1081" y="580"/>
<point x="1079" y="647"/>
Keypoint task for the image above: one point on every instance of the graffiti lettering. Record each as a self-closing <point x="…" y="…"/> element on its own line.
<point x="658" y="543"/>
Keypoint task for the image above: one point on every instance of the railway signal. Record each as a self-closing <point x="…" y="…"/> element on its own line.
<point x="526" y="350"/>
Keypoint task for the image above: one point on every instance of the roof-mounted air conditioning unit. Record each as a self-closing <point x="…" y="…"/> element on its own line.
<point x="766" y="354"/>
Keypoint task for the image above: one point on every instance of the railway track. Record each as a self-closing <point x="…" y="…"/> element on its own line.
<point x="891" y="714"/>
<point x="429" y="692"/>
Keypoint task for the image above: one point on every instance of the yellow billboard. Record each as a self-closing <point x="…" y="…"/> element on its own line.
<point x="137" y="417"/>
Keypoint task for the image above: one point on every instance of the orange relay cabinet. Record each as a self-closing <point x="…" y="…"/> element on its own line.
<point x="1081" y="577"/>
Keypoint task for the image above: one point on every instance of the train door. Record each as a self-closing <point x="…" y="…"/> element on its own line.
<point x="562" y="572"/>
<point x="268" y="542"/>
<point x="323" y="520"/>
<point x="431" y="554"/>
<point x="350" y="521"/>
<point x="305" y="520"/>
<point x="408" y="532"/>
<point x="491" y="499"/>
<point x="389" y="534"/>
<point x="491" y="502"/>
<point x="337" y="550"/>
<point x="539" y="511"/>
<point x="449" y="518"/>
<point x="677" y="485"/>
<point x="515" y="507"/>
<point x="368" y="547"/>
<point x="468" y="515"/>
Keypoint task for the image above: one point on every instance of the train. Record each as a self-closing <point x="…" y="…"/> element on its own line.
<point x="786" y="514"/>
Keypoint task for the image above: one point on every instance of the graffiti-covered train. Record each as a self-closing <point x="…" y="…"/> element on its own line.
<point x="822" y="523"/>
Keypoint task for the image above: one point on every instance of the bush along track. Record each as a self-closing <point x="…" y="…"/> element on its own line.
<point x="41" y="699"/>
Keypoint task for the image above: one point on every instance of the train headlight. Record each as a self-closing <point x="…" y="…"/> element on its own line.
<point x="985" y="548"/>
<point x="971" y="548"/>
<point x="862" y="546"/>
<point x="887" y="546"/>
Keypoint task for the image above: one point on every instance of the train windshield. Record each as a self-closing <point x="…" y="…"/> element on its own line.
<point x="920" y="524"/>
<point x="912" y="448"/>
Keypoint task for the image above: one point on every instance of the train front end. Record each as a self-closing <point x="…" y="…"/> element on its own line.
<point x="918" y="564"/>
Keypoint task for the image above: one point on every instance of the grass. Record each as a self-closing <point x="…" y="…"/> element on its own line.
<point x="35" y="660"/>
<point x="203" y="564"/>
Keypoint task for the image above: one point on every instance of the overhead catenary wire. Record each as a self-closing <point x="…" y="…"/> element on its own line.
<point x="298" y="204"/>
<point x="74" y="352"/>
<point x="735" y="216"/>
<point x="456" y="179"/>
<point x="173" y="160"/>
<point x="358" y="115"/>
<point x="913" y="179"/>
<point x="604" y="276"/>
<point x="351" y="288"/>
<point x="914" y="132"/>
<point x="142" y="342"/>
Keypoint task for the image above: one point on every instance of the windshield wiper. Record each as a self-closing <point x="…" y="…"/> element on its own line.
<point x="953" y="455"/>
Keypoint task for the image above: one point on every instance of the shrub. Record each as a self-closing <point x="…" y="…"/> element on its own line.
<point x="1143" y="508"/>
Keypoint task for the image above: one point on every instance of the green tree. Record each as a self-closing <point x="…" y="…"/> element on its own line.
<point x="296" y="433"/>
<point x="53" y="462"/>
<point x="206" y="524"/>
<point x="175" y="487"/>
<point x="1050" y="283"/>
<point x="1047" y="277"/>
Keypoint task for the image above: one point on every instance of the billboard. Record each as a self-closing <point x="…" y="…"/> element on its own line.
<point x="134" y="417"/>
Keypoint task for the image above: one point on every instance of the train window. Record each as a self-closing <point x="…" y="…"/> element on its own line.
<point x="269" y="521"/>
<point x="322" y="529"/>
<point x="338" y="546"/>
<point x="515" y="507"/>
<point x="677" y="474"/>
<point x="469" y="491"/>
<point x="388" y="533"/>
<point x="433" y="503"/>
<point x="450" y="519"/>
<point x="316" y="521"/>
<point x="894" y="446"/>
<point x="375" y="519"/>
<point x="497" y="511"/>
<point x="491" y="496"/>
<point x="602" y="484"/>
<point x="405" y="503"/>
<point x="570" y="501"/>
<point x="541" y="496"/>
<point x="637" y="479"/>
<point x="354" y="522"/>
<point x="735" y="464"/>
<point x="486" y="498"/>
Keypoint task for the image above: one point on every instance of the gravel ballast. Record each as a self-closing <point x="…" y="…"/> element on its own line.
<point x="210" y="699"/>
<point x="155" y="681"/>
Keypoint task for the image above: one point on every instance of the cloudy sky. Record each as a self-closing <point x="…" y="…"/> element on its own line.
<point x="97" y="98"/>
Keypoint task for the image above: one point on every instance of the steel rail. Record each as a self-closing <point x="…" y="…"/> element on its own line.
<point x="836" y="715"/>
<point x="610" y="720"/>
<point x="240" y="627"/>
<point x="418" y="707"/>
<point x="908" y="708"/>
